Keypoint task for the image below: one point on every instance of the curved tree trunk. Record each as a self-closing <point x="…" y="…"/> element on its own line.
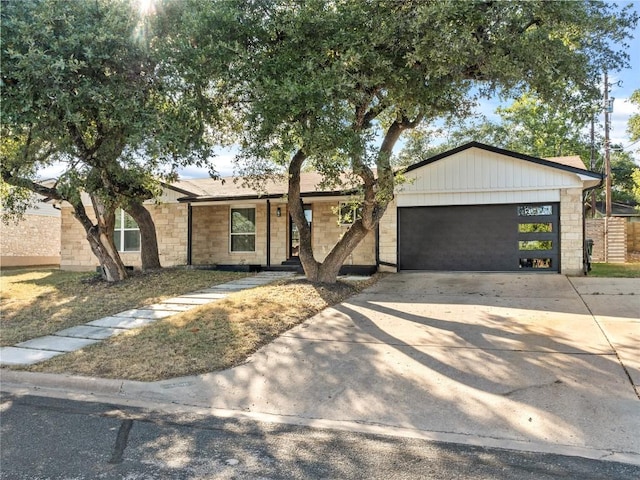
<point x="148" y="238"/>
<point x="100" y="237"/>
<point x="296" y="210"/>
<point x="377" y="195"/>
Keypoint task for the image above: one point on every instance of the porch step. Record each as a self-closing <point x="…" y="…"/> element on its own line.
<point x="288" y="266"/>
<point x="293" y="261"/>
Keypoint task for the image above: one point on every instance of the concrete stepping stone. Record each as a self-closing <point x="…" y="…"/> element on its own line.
<point x="228" y="287"/>
<point x="210" y="290"/>
<point x="144" y="313"/>
<point x="25" y="356"/>
<point x="203" y="294"/>
<point x="121" y="322"/>
<point x="57" y="344"/>
<point x="189" y="301"/>
<point x="89" y="331"/>
<point x="173" y="307"/>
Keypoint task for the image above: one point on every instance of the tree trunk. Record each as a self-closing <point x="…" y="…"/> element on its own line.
<point x="148" y="239"/>
<point x="100" y="237"/>
<point x="296" y="210"/>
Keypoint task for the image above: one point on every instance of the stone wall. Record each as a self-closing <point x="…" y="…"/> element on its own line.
<point x="211" y="243"/>
<point x="171" y="229"/>
<point x="389" y="239"/>
<point x="327" y="232"/>
<point x="33" y="241"/>
<point x="571" y="236"/>
<point x="210" y="237"/>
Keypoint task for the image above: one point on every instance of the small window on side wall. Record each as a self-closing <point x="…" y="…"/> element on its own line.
<point x="243" y="230"/>
<point x="348" y="213"/>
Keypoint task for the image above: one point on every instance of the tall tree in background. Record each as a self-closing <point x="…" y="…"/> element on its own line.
<point x="634" y="132"/>
<point x="528" y="125"/>
<point x="84" y="84"/>
<point x="336" y="84"/>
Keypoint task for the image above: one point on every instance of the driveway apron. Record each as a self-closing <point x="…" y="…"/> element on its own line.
<point x="517" y="357"/>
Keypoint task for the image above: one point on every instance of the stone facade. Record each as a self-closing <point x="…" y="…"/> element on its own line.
<point x="327" y="231"/>
<point x="211" y="242"/>
<point x="171" y="229"/>
<point x="571" y="237"/>
<point x="32" y="241"/>
<point x="389" y="239"/>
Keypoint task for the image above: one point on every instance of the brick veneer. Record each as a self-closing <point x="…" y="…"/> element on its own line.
<point x="34" y="240"/>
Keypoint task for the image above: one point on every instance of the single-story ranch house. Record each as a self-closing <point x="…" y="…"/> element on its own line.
<point x="474" y="208"/>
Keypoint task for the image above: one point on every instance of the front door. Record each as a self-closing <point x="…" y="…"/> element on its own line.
<point x="294" y="234"/>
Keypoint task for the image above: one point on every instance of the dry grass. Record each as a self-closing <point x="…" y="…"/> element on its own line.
<point x="209" y="338"/>
<point x="34" y="303"/>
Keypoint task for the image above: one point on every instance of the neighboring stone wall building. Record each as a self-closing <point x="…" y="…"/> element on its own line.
<point x="32" y="241"/>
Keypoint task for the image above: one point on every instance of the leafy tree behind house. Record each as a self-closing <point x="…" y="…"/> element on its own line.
<point x="337" y="84"/>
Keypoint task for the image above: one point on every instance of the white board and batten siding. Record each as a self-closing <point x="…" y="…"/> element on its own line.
<point x="475" y="176"/>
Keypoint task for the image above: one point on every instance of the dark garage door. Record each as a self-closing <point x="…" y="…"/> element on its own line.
<point x="498" y="238"/>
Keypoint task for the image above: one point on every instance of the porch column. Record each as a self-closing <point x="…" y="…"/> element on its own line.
<point x="268" y="233"/>
<point x="189" y="232"/>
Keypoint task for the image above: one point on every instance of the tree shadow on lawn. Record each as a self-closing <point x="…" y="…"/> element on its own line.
<point x="497" y="377"/>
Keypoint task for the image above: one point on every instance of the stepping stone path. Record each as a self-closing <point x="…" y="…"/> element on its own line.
<point x="74" y="338"/>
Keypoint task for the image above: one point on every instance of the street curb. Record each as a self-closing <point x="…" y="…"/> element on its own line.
<point x="129" y="393"/>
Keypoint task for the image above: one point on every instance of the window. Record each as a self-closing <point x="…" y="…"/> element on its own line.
<point x="349" y="212"/>
<point x="535" y="227"/>
<point x="534" y="210"/>
<point x="535" y="245"/>
<point x="126" y="233"/>
<point x="243" y="229"/>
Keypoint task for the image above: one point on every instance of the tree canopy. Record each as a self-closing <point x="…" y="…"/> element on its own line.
<point x="335" y="84"/>
<point x="85" y="84"/>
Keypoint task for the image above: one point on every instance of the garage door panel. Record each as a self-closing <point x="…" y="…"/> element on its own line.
<point x="475" y="238"/>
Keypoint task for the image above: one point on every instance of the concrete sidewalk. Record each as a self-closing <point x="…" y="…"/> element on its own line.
<point x="530" y="362"/>
<point x="74" y="338"/>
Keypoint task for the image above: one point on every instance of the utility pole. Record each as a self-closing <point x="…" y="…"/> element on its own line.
<point x="608" y="109"/>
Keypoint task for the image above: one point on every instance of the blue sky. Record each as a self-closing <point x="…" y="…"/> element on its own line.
<point x="623" y="84"/>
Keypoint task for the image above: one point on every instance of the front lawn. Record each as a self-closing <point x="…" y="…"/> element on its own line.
<point x="629" y="270"/>
<point x="208" y="338"/>
<point x="40" y="302"/>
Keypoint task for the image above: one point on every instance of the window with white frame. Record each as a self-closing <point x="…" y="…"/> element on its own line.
<point x="126" y="233"/>
<point x="243" y="229"/>
<point x="349" y="212"/>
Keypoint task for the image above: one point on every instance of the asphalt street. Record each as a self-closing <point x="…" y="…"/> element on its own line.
<point x="49" y="438"/>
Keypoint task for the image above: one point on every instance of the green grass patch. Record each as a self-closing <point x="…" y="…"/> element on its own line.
<point x="616" y="270"/>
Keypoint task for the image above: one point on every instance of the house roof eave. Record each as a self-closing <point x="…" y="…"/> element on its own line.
<point x="509" y="153"/>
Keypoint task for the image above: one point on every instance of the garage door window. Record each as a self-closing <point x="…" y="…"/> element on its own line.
<point x="534" y="210"/>
<point x="535" y="245"/>
<point x="535" y="227"/>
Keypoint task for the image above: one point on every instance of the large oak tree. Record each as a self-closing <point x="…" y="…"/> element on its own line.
<point x="334" y="84"/>
<point x="84" y="85"/>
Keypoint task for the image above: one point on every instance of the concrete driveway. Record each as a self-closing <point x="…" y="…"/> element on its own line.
<point x="535" y="362"/>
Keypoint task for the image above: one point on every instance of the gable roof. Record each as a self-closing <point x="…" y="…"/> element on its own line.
<point x="571" y="164"/>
